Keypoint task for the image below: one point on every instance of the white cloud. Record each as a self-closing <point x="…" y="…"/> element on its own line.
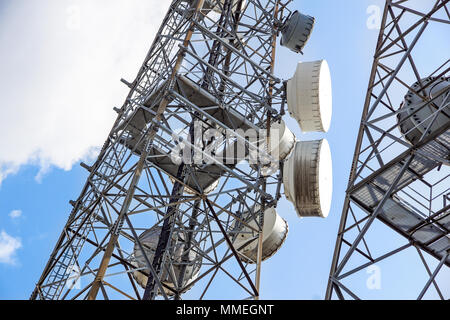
<point x="15" y="214"/>
<point x="61" y="66"/>
<point x="8" y="247"/>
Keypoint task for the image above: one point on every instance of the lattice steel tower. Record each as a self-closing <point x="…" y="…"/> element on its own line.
<point x="400" y="171"/>
<point x="184" y="190"/>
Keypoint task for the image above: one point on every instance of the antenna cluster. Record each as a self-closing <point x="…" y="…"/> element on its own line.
<point x="185" y="189"/>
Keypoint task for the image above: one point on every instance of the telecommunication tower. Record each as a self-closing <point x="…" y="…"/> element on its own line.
<point x="184" y="191"/>
<point x="400" y="172"/>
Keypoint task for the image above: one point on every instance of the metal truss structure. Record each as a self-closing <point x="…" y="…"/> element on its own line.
<point x="210" y="67"/>
<point x="393" y="182"/>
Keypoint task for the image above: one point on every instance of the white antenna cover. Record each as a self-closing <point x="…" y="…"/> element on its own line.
<point x="309" y="96"/>
<point x="414" y="118"/>
<point x="282" y="140"/>
<point x="308" y="178"/>
<point x="296" y="31"/>
<point x="275" y="231"/>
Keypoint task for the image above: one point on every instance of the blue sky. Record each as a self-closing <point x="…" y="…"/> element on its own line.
<point x="61" y="62"/>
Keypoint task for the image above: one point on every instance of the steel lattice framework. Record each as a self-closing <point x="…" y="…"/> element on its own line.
<point x="212" y="69"/>
<point x="392" y="182"/>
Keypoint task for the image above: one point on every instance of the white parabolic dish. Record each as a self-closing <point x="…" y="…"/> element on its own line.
<point x="275" y="231"/>
<point x="282" y="140"/>
<point x="309" y="96"/>
<point x="308" y="178"/>
<point x="281" y="143"/>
